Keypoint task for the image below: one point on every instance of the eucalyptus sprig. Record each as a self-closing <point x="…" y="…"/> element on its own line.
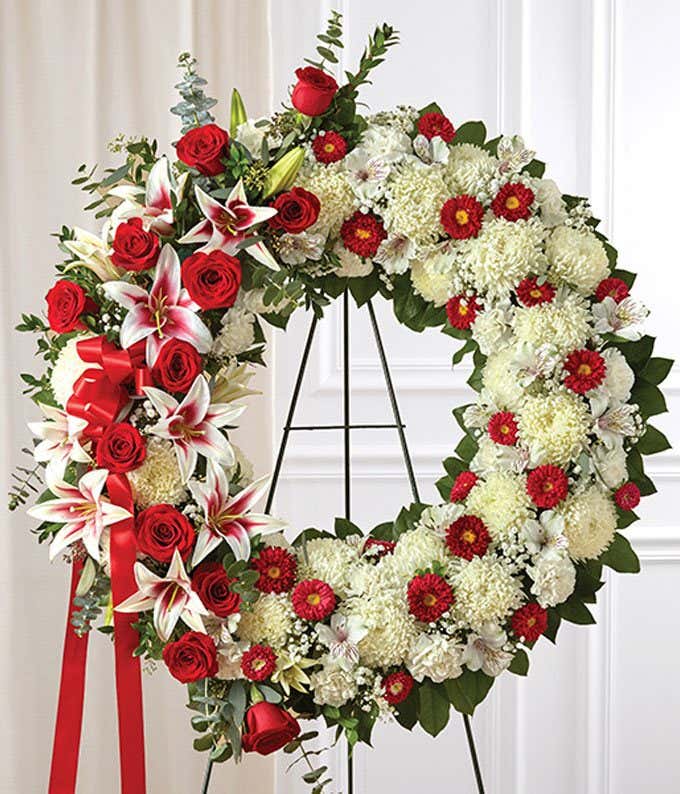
<point x="194" y="109"/>
<point x="331" y="38"/>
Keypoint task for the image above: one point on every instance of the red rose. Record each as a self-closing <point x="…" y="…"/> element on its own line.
<point x="314" y="91"/>
<point x="161" y="529"/>
<point x="297" y="209"/>
<point x="192" y="657"/>
<point x="177" y="366"/>
<point x="212" y="584"/>
<point x="66" y="301"/>
<point x="268" y="728"/>
<point x="133" y="248"/>
<point x="203" y="147"/>
<point x="213" y="279"/>
<point x="121" y="448"/>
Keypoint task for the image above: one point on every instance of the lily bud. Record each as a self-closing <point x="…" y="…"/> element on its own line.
<point x="281" y="175"/>
<point x="238" y="113"/>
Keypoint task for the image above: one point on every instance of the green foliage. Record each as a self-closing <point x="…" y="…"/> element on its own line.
<point x="194" y="109"/>
<point x="384" y="37"/>
<point x="471" y="132"/>
<point x="23" y="487"/>
<point x="330" y="41"/>
<point x="520" y="663"/>
<point x="620" y="556"/>
<point x="91" y="598"/>
<point x="468" y="690"/>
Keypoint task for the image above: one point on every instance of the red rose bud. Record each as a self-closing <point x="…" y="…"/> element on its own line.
<point x="268" y="728"/>
<point x="213" y="279"/>
<point x="213" y="586"/>
<point x="177" y="366"/>
<point x="121" y="448"/>
<point x="66" y="301"/>
<point x="134" y="248"/>
<point x="297" y="210"/>
<point x="161" y="529"/>
<point x="314" y="91"/>
<point x="203" y="148"/>
<point x="191" y="658"/>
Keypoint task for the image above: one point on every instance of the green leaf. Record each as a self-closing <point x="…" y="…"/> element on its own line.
<point x="575" y="611"/>
<point x="471" y="132"/>
<point x="468" y="690"/>
<point x="520" y="663"/>
<point x="637" y="353"/>
<point x="536" y="168"/>
<point x="433" y="707"/>
<point x="620" y="556"/>
<point x="649" y="399"/>
<point x="433" y="107"/>
<point x="656" y="370"/>
<point x="237" y="698"/>
<point x="203" y="743"/>
<point x="407" y="710"/>
<point x="554" y="621"/>
<point x="345" y="528"/>
<point x="652" y="442"/>
<point x="363" y="289"/>
<point x="467" y="448"/>
<point x="460" y="354"/>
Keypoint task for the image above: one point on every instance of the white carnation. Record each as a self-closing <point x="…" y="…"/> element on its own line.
<point x="237" y="334"/>
<point x="434" y="657"/>
<point x="332" y="685"/>
<point x="492" y="328"/>
<point x="389" y="143"/>
<point x="351" y="264"/>
<point x="554" y="577"/>
<point x="610" y="464"/>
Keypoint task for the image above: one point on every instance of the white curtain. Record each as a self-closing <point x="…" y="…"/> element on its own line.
<point x="73" y="74"/>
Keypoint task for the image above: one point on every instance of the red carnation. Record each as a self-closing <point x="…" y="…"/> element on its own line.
<point x="121" y="448"/>
<point x="329" y="147"/>
<point x="268" y="728"/>
<point x="461" y="217"/>
<point x="462" y="310"/>
<point x="529" y="622"/>
<point x="531" y="293"/>
<point x="382" y="547"/>
<point x="468" y="537"/>
<point x="314" y="91"/>
<point x="503" y="428"/>
<point x="177" y="366"/>
<point x="203" y="149"/>
<point x="213" y="586"/>
<point x="431" y="124"/>
<point x="513" y="202"/>
<point x="628" y="496"/>
<point x="313" y="599"/>
<point x="134" y="248"/>
<point x="66" y="301"/>
<point x="612" y="287"/>
<point x="212" y="279"/>
<point x="586" y="370"/>
<point x="462" y="486"/>
<point x="362" y="234"/>
<point x="277" y="568"/>
<point x="191" y="658"/>
<point x="297" y="209"/>
<point x="429" y="596"/>
<point x="258" y="663"/>
<point x="547" y="485"/>
<point x="397" y="687"/>
<point x="161" y="529"/>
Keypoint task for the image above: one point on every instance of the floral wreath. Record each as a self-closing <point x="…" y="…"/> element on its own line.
<point x="154" y="328"/>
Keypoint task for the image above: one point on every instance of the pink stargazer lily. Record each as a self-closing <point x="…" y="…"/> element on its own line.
<point x="83" y="511"/>
<point x="164" y="313"/>
<point x="225" y="225"/>
<point x="228" y="518"/>
<point x="170" y="597"/>
<point x="61" y="437"/>
<point x="193" y="425"/>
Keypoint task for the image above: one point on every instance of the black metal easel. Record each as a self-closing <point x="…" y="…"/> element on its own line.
<point x="346" y="427"/>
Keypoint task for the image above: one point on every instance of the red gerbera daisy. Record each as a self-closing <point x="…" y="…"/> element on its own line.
<point x="628" y="496"/>
<point x="381" y="548"/>
<point x="277" y="568"/>
<point x="397" y="687"/>
<point x="313" y="599"/>
<point x="529" y="622"/>
<point x="586" y="370"/>
<point x="531" y="293"/>
<point x="431" y="124"/>
<point x="461" y="217"/>
<point x="612" y="288"/>
<point x="462" y="310"/>
<point x="502" y="428"/>
<point x="362" y="234"/>
<point x="547" y="485"/>
<point x="468" y="537"/>
<point x="429" y="596"/>
<point x="462" y="486"/>
<point x="329" y="147"/>
<point x="513" y="202"/>
<point x="258" y="662"/>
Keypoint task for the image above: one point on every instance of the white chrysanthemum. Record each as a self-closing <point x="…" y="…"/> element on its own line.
<point x="351" y="264"/>
<point x="435" y="657"/>
<point x="237" y="334"/>
<point x="486" y="592"/>
<point x="501" y="501"/>
<point x="564" y="325"/>
<point x="554" y="427"/>
<point x="554" y="577"/>
<point x="416" y="194"/>
<point x="619" y="377"/>
<point x="415" y="550"/>
<point x="270" y="621"/>
<point x="158" y="479"/>
<point x="330" y="560"/>
<point x="577" y="257"/>
<point x="589" y="523"/>
<point x="501" y="382"/>
<point x="434" y="286"/>
<point x="470" y="170"/>
<point x="330" y="186"/>
<point x="504" y="253"/>
<point x="68" y="367"/>
<point x="333" y="686"/>
<point x="492" y="329"/>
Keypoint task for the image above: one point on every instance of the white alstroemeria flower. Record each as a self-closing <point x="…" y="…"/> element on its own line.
<point x="61" y="441"/>
<point x="478" y="414"/>
<point x="613" y="423"/>
<point x="342" y="638"/>
<point x="294" y="249"/>
<point x="93" y="253"/>
<point x="531" y="363"/>
<point x="394" y="254"/>
<point x="228" y="518"/>
<point x="193" y="425"/>
<point x="83" y="511"/>
<point x="170" y="597"/>
<point x="514" y="459"/>
<point x="513" y="155"/>
<point x="225" y="225"/>
<point x="430" y="151"/>
<point x="484" y="651"/>
<point x="622" y="319"/>
<point x="546" y="532"/>
<point x="366" y="175"/>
